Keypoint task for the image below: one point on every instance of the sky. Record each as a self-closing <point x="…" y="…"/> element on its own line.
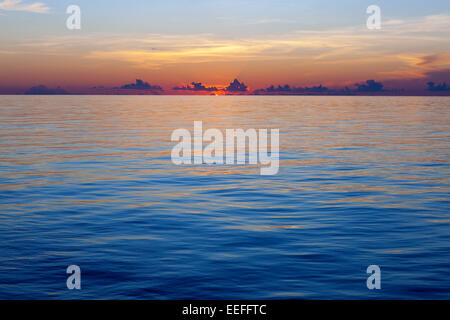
<point x="172" y="43"/>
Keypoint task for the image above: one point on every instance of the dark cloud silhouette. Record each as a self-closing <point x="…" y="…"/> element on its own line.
<point x="288" y="89"/>
<point x="41" y="89"/>
<point x="439" y="87"/>
<point x="236" y="86"/>
<point x="370" y="86"/>
<point x="285" y="88"/>
<point x="141" y="85"/>
<point x="196" y="86"/>
<point x="319" y="88"/>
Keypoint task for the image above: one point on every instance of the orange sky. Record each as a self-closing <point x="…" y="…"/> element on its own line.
<point x="402" y="51"/>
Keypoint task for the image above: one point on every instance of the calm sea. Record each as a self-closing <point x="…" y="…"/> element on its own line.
<point x="88" y="180"/>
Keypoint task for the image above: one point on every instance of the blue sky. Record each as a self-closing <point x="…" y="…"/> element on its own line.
<point x="221" y="17"/>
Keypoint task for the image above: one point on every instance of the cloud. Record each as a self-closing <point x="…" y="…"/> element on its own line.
<point x="41" y="89"/>
<point x="369" y="86"/>
<point x="437" y="87"/>
<point x="236" y="86"/>
<point x="402" y="49"/>
<point x="288" y="89"/>
<point x="419" y="65"/>
<point x="196" y="86"/>
<point x="428" y="59"/>
<point x="269" y="21"/>
<point x="141" y="85"/>
<point x="16" y="5"/>
<point x="397" y="41"/>
<point x="420" y="82"/>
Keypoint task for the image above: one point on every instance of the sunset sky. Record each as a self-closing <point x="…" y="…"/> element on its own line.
<point x="171" y="43"/>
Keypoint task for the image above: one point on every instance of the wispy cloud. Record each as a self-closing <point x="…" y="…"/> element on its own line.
<point x="270" y="21"/>
<point x="17" y="5"/>
<point x="396" y="42"/>
<point x="438" y="23"/>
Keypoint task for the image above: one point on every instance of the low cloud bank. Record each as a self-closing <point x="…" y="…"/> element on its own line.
<point x="141" y="85"/>
<point x="196" y="86"/>
<point x="41" y="89"/>
<point x="288" y="89"/>
<point x="369" y="86"/>
<point x="437" y="87"/>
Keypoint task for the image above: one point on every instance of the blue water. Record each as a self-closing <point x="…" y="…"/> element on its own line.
<point x="88" y="180"/>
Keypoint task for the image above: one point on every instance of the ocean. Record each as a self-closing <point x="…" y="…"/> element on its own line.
<point x="89" y="181"/>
